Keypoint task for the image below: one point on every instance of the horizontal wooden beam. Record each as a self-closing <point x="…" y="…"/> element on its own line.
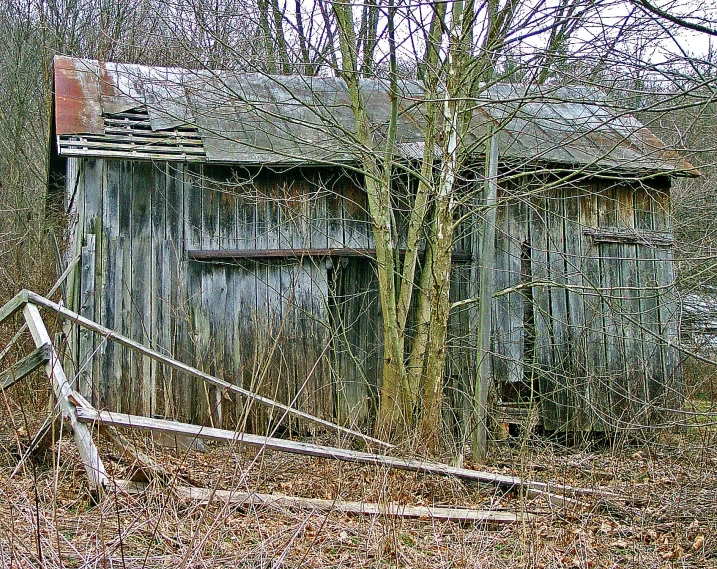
<point x="25" y="366"/>
<point x="556" y="494"/>
<point x="205" y="255"/>
<point x="123" y="340"/>
<point x="393" y="510"/>
<point x="630" y="236"/>
<point x="345" y="252"/>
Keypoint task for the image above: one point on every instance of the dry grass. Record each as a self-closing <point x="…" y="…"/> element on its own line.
<point x="666" y="516"/>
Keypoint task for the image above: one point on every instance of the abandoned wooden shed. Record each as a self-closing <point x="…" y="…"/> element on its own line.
<point x="219" y="217"/>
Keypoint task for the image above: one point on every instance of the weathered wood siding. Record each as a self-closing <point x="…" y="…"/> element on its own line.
<point x="594" y="345"/>
<point x="264" y="323"/>
<point x="586" y="328"/>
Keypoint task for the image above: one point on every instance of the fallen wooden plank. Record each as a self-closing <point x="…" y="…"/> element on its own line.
<point x="13" y="305"/>
<point x="25" y="366"/>
<point x="120" y="339"/>
<point x="558" y="495"/>
<point x="91" y="460"/>
<point x="394" y="510"/>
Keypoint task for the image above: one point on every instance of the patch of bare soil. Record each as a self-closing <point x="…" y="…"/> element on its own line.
<point x="661" y="510"/>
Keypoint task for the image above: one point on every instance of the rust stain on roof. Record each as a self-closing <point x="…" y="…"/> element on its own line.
<point x="77" y="100"/>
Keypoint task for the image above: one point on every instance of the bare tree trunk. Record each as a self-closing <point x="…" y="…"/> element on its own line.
<point x="267" y="35"/>
<point x="280" y="37"/>
<point x="377" y="174"/>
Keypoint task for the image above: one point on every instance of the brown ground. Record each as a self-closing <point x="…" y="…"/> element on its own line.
<point x="665" y="516"/>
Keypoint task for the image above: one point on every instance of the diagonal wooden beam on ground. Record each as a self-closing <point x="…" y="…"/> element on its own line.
<point x="25" y="366"/>
<point x="120" y="339"/>
<point x="558" y="495"/>
<point x="393" y="510"/>
<point x="91" y="460"/>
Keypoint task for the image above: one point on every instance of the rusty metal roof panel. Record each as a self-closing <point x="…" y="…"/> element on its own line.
<point x="77" y="98"/>
<point x="260" y="119"/>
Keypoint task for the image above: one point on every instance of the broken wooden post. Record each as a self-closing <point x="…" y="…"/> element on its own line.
<point x="91" y="460"/>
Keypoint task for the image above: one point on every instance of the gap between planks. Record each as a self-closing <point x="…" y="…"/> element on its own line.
<point x="393" y="510"/>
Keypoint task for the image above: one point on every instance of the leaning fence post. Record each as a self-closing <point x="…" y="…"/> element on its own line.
<point x="91" y="460"/>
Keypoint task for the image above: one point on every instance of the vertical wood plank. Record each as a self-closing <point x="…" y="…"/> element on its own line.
<point x="665" y="276"/>
<point x="143" y="181"/>
<point x="209" y="319"/>
<point x="649" y="306"/>
<point x="500" y="308"/>
<point x="579" y="400"/>
<point x="160" y="290"/>
<point x="111" y="279"/>
<point x="123" y="302"/>
<point x="633" y="381"/>
<point x="334" y="208"/>
<point x="543" y="357"/>
<point x="175" y="277"/>
<point x="560" y="394"/>
<point x="596" y="393"/>
<point x="192" y="400"/>
<point x="93" y="185"/>
<point x="614" y="346"/>
<point x="87" y="309"/>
